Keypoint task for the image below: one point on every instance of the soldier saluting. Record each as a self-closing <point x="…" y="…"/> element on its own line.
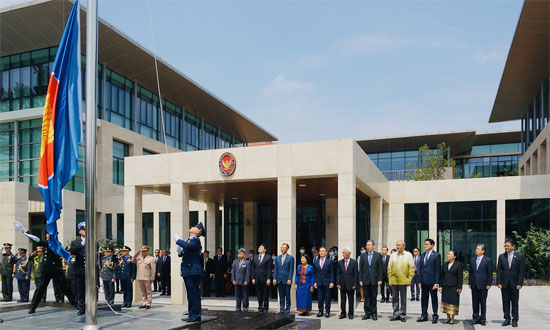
<point x="22" y="273"/>
<point x="50" y="269"/>
<point x="125" y="271"/>
<point x="6" y="270"/>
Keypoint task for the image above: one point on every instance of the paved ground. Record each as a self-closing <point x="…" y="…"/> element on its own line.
<point x="534" y="314"/>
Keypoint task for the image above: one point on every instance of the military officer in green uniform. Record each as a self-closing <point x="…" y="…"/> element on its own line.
<point x="22" y="274"/>
<point x="6" y="270"/>
<point x="36" y="259"/>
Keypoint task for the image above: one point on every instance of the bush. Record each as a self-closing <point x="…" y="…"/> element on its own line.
<point x="535" y="246"/>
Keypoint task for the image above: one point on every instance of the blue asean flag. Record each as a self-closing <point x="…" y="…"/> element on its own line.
<point x="61" y="130"/>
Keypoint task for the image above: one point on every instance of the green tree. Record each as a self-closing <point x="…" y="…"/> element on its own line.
<point x="432" y="163"/>
<point x="535" y="246"/>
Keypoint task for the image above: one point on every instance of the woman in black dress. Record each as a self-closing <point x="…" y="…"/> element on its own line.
<point x="451" y="287"/>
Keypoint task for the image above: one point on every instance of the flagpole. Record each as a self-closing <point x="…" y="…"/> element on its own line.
<point x="91" y="109"/>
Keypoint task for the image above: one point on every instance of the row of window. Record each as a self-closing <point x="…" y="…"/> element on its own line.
<point x="537" y="116"/>
<point x="24" y="81"/>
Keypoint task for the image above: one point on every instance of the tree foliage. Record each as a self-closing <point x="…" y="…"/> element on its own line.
<point x="432" y="163"/>
<point x="535" y="246"/>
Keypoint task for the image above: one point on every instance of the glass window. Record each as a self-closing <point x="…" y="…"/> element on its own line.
<point x="264" y="226"/>
<point x="172" y="123"/>
<point x="120" y="150"/>
<point x="234" y="227"/>
<point x="462" y="225"/>
<point x="192" y="132"/>
<point x="30" y="132"/>
<point x="416" y="225"/>
<point x="6" y="152"/>
<point x="109" y="226"/>
<point x="522" y="213"/>
<point x="147" y="230"/>
<point x="120" y="229"/>
<point x="119" y="101"/>
<point x="210" y="136"/>
<point x="226" y="140"/>
<point x="362" y="216"/>
<point x="164" y="230"/>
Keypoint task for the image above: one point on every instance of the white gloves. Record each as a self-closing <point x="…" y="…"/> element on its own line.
<point x="34" y="238"/>
<point x="176" y="237"/>
<point x="19" y="226"/>
<point x="179" y="249"/>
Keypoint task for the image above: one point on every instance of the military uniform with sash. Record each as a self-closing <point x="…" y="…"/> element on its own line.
<point x="6" y="270"/>
<point x="36" y="265"/>
<point x="23" y="276"/>
<point x="126" y="273"/>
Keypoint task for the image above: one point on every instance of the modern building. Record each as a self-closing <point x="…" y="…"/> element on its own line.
<point x="330" y="193"/>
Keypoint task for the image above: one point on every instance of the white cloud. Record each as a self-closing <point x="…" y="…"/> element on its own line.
<point x="280" y="85"/>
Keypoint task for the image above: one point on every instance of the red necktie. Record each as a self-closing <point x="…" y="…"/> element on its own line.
<point x="322" y="262"/>
<point x="346" y="268"/>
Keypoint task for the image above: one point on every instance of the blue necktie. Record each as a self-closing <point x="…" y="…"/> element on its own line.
<point x="370" y="259"/>
<point x="478" y="262"/>
<point x="427" y="257"/>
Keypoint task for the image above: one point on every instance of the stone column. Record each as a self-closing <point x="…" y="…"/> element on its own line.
<point x="432" y="217"/>
<point x="376" y="208"/>
<point x="156" y="232"/>
<point x="133" y="199"/>
<point x="179" y="224"/>
<point x="250" y="219"/>
<point x="331" y="213"/>
<point x="346" y="212"/>
<point x="211" y="210"/>
<point x="14" y="205"/>
<point x="396" y="224"/>
<point x="501" y="226"/>
<point x="386" y="224"/>
<point x="286" y="221"/>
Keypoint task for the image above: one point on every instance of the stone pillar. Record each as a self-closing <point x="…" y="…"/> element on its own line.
<point x="14" y="205"/>
<point x="376" y="208"/>
<point x="346" y="212"/>
<point x="250" y="220"/>
<point x="202" y="219"/>
<point x="133" y="199"/>
<point x="386" y="224"/>
<point x="501" y="226"/>
<point x="432" y="217"/>
<point x="179" y="224"/>
<point x="156" y="232"/>
<point x="396" y="224"/>
<point x="542" y="166"/>
<point x="211" y="210"/>
<point x="286" y="221"/>
<point x="547" y="142"/>
<point x="331" y="213"/>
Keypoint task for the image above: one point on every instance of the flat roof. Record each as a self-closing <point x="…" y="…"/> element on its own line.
<point x="39" y="24"/>
<point x="460" y="141"/>
<point x="527" y="65"/>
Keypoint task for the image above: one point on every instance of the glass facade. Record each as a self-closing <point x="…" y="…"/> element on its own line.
<point x="30" y="132"/>
<point x="147" y="230"/>
<point x="522" y="213"/>
<point x="119" y="100"/>
<point x="172" y="123"/>
<point x="536" y="117"/>
<point x="310" y="225"/>
<point x="462" y="225"/>
<point x="210" y="136"/>
<point x="478" y="162"/>
<point x="120" y="228"/>
<point x="416" y="225"/>
<point x="7" y="152"/>
<point x="362" y="231"/>
<point x="192" y="132"/>
<point x="120" y="150"/>
<point x="164" y="230"/>
<point x="265" y="226"/>
<point x="234" y="227"/>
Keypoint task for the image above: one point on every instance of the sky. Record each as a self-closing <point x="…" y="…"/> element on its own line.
<point x="318" y="70"/>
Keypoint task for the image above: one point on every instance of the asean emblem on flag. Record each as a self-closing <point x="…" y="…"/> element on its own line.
<point x="227" y="164"/>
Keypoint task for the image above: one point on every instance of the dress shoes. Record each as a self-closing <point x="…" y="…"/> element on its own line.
<point x="403" y="319"/>
<point x="483" y="323"/>
<point x="515" y="323"/>
<point x="365" y="317"/>
<point x="350" y="316"/>
<point x="374" y="317"/>
<point x="342" y="315"/>
<point x="412" y="299"/>
<point x="142" y="306"/>
<point x="320" y="314"/>
<point x="327" y="315"/>
<point x="80" y="313"/>
<point x="395" y="318"/>
<point x="422" y="319"/>
<point x="506" y="323"/>
<point x="147" y="307"/>
<point x="31" y="311"/>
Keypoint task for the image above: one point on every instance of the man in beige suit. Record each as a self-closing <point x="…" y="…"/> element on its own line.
<point x="145" y="275"/>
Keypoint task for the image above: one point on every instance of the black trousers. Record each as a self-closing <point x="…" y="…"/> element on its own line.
<point x="80" y="294"/>
<point x="45" y="278"/>
<point x="165" y="283"/>
<point x="384" y="289"/>
<point x="241" y="296"/>
<point x="262" y="291"/>
<point x="7" y="287"/>
<point x="219" y="281"/>
<point x="479" y="299"/>
<point x="510" y="296"/>
<point x="58" y="292"/>
<point x="117" y="285"/>
<point x="109" y="290"/>
<point x="23" y="286"/>
<point x="427" y="293"/>
<point x="206" y="285"/>
<point x="370" y="292"/>
<point x="350" y="295"/>
<point x="324" y="298"/>
<point x="127" y="292"/>
<point x="156" y="284"/>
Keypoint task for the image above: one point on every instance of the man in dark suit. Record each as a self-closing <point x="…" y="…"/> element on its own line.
<point x="240" y="276"/>
<point x="156" y="282"/>
<point x="208" y="268"/>
<point x="371" y="274"/>
<point x="78" y="250"/>
<point x="164" y="273"/>
<point x="415" y="287"/>
<point x="384" y="287"/>
<point x="324" y="281"/>
<point x="313" y="260"/>
<point x="480" y="280"/>
<point x="428" y="270"/>
<point x="282" y="277"/>
<point x="510" y="276"/>
<point x="347" y="275"/>
<point x="261" y="277"/>
<point x="220" y="272"/>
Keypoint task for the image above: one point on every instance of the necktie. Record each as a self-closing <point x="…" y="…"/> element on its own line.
<point x="415" y="262"/>
<point x="346" y="268"/>
<point x="370" y="259"/>
<point x="510" y="258"/>
<point x="283" y="260"/>
<point x="322" y="262"/>
<point x="163" y="259"/>
<point x="241" y="264"/>
<point x="427" y="257"/>
<point x="478" y="262"/>
<point x="261" y="257"/>
<point x="204" y="268"/>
